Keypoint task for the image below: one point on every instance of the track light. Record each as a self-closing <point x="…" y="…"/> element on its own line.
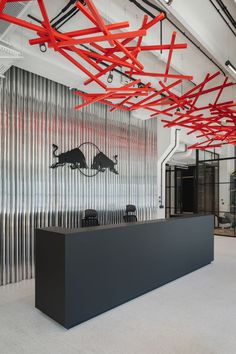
<point x="110" y="77"/>
<point x="43" y="47"/>
<point x="168" y="2"/>
<point x="230" y="66"/>
<point x="140" y="85"/>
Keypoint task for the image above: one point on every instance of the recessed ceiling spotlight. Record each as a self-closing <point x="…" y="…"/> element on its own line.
<point x="230" y="66"/>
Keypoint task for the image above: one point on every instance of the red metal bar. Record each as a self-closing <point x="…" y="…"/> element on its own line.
<point x="145" y="20"/>
<point x="165" y="111"/>
<point x="174" y="97"/>
<point x="86" y="12"/>
<point x="130" y="55"/>
<point x="16" y="0"/>
<point x="199" y="85"/>
<point x="154" y="95"/>
<point x="170" y="76"/>
<point x="22" y="23"/>
<point x="206" y="107"/>
<point x="220" y="91"/>
<point x="108" y="59"/>
<point x="78" y="33"/>
<point x="98" y="97"/>
<point x="192" y="106"/>
<point x="81" y="67"/>
<point x="127" y="98"/>
<point x="124" y="42"/>
<point x="106" y="70"/>
<point x="157" y="19"/>
<point x="2" y="5"/>
<point x="173" y="38"/>
<point x="86" y="58"/>
<point x="47" y="23"/>
<point x="130" y="34"/>
<point x="98" y="19"/>
<point x="155" y="47"/>
<point x="213" y="89"/>
<point x="109" y="27"/>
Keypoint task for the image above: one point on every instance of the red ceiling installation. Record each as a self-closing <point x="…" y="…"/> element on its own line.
<point x="216" y="124"/>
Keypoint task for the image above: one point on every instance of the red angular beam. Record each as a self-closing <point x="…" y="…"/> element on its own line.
<point x="174" y="97"/>
<point x="220" y="91"/>
<point x="81" y="67"/>
<point x="131" y="34"/>
<point x="96" y="18"/>
<point x="170" y="76"/>
<point x="148" y="25"/>
<point x="136" y="93"/>
<point x="157" y="93"/>
<point x="156" y="47"/>
<point x="98" y="97"/>
<point x="125" y="42"/>
<point x="173" y="38"/>
<point x="46" y="23"/>
<point x="202" y="85"/>
<point x="145" y="21"/>
<point x="78" y="33"/>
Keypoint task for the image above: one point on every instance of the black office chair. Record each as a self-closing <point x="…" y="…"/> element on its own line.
<point x="130" y="217"/>
<point x="90" y="218"/>
<point x="224" y="222"/>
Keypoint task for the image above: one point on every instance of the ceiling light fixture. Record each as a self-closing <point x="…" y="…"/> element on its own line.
<point x="168" y="2"/>
<point x="110" y="77"/>
<point x="230" y="66"/>
<point x="43" y="47"/>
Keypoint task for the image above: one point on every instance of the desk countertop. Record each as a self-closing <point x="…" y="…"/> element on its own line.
<point x="67" y="231"/>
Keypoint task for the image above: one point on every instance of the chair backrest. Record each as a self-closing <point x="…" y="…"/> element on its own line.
<point x="130" y="208"/>
<point x="90" y="213"/>
<point x="90" y="218"/>
<point x="130" y="217"/>
<point x="224" y="219"/>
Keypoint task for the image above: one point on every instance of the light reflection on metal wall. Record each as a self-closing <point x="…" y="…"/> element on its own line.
<point x="34" y="114"/>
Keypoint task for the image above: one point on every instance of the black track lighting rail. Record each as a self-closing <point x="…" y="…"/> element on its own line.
<point x="227" y="13"/>
<point x="147" y="2"/>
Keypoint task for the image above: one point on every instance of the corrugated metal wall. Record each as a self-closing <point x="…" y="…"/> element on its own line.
<point x="34" y="114"/>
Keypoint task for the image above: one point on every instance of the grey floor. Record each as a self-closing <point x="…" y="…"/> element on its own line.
<point x="194" y="315"/>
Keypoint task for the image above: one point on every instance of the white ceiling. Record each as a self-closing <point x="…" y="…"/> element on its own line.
<point x="198" y="19"/>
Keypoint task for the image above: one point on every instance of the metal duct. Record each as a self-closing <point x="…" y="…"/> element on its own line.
<point x="34" y="114"/>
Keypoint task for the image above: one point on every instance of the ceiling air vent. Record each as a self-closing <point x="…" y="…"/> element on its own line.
<point x="8" y="55"/>
<point x="13" y="9"/>
<point x="3" y="69"/>
<point x="7" y="51"/>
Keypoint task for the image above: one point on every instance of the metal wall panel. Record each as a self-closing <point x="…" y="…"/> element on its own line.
<point x="34" y="114"/>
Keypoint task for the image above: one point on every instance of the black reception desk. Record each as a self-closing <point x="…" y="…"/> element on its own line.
<point x="82" y="273"/>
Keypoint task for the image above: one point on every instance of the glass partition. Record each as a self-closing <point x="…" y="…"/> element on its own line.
<point x="216" y="186"/>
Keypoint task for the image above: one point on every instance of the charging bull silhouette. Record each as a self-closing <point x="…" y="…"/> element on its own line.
<point x="101" y="162"/>
<point x="74" y="157"/>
